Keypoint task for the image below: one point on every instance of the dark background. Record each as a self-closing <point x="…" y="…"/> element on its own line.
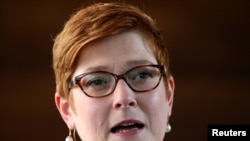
<point x="209" y="42"/>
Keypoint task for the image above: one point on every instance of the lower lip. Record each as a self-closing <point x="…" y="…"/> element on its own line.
<point x="128" y="133"/>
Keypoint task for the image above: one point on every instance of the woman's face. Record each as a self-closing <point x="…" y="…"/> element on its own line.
<point x="138" y="116"/>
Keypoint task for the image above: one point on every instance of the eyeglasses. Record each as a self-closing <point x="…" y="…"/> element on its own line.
<point x="101" y="83"/>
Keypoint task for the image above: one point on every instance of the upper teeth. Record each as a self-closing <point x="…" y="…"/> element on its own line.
<point x="127" y="124"/>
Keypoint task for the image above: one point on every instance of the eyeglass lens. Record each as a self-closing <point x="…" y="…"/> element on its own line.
<point x="98" y="84"/>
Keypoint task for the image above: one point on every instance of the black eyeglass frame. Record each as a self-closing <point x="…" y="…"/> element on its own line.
<point x="77" y="79"/>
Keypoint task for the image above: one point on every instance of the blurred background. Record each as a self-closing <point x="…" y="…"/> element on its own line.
<point x="209" y="42"/>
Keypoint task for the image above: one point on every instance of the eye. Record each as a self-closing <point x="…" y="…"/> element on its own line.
<point x="96" y="82"/>
<point x="142" y="75"/>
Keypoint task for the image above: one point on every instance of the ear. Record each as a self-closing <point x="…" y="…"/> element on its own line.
<point x="65" y="110"/>
<point x="170" y="98"/>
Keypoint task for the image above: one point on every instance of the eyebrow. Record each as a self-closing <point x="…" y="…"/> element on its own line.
<point x="139" y="62"/>
<point x="128" y="65"/>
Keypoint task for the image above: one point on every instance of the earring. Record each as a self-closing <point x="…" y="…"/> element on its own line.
<point x="69" y="137"/>
<point x="168" y="128"/>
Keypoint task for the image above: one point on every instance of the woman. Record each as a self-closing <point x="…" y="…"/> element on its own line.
<point x="113" y="81"/>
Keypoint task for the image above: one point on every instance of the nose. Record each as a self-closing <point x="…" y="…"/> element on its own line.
<point x="124" y="97"/>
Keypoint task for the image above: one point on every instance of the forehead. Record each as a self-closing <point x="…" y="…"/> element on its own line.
<point x="121" y="51"/>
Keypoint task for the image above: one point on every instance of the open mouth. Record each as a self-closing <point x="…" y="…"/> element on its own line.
<point x="127" y="127"/>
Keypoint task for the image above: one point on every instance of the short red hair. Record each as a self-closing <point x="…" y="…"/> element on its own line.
<point x="95" y="22"/>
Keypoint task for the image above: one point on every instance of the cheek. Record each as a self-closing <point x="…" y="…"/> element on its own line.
<point x="92" y="111"/>
<point x="155" y="107"/>
<point x="86" y="107"/>
<point x="90" y="116"/>
<point x="156" y="100"/>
